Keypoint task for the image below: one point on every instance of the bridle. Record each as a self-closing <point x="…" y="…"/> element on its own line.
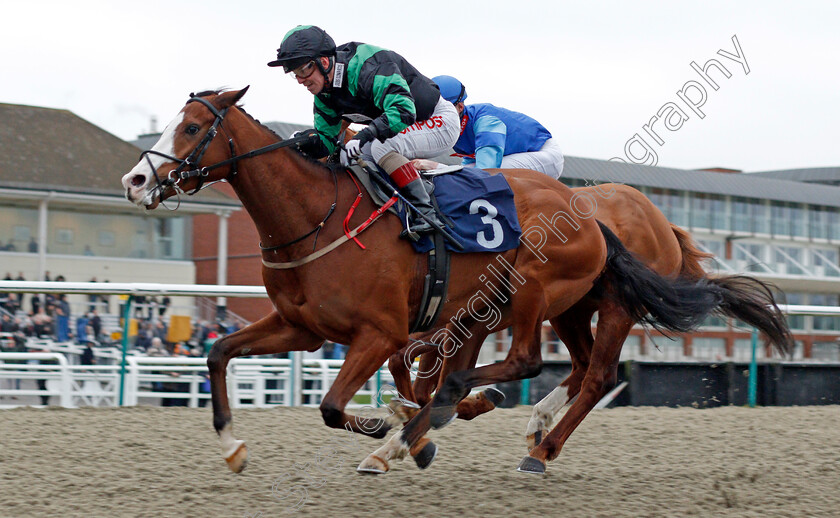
<point x="188" y="167"/>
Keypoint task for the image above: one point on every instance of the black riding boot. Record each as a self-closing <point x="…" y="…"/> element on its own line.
<point x="415" y="192"/>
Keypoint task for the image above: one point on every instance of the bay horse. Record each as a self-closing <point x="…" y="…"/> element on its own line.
<point x="662" y="246"/>
<point x="365" y="298"/>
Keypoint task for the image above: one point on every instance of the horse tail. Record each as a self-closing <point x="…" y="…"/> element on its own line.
<point x="669" y="305"/>
<point x="679" y="305"/>
<point x="744" y="298"/>
<point x="751" y="300"/>
<point x="692" y="257"/>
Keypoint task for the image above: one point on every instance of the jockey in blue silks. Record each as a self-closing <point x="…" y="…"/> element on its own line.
<point x="493" y="137"/>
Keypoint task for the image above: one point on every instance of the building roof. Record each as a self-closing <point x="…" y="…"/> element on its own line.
<point x="747" y="185"/>
<point x="829" y="175"/>
<point x="285" y="129"/>
<point x="49" y="149"/>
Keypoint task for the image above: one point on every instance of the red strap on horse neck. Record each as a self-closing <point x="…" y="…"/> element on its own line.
<point x="373" y="217"/>
<point x="404" y="175"/>
<point x="352" y="209"/>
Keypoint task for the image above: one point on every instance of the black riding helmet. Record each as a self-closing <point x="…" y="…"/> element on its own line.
<point x="303" y="44"/>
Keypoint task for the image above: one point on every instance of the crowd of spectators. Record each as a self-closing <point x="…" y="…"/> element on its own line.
<point x="49" y="316"/>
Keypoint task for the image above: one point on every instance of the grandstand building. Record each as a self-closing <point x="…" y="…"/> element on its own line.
<point x="780" y="226"/>
<point x="63" y="211"/>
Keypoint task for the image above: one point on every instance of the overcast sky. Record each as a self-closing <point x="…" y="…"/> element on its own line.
<point x="593" y="73"/>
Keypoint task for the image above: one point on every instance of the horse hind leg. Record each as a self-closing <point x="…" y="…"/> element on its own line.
<point x="270" y="335"/>
<point x="574" y="329"/>
<point x="473" y="406"/>
<point x="613" y="327"/>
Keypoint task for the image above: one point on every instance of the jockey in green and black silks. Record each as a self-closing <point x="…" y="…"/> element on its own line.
<point x="405" y="114"/>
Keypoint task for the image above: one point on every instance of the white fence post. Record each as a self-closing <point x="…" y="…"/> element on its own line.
<point x="66" y="396"/>
<point x="297" y="378"/>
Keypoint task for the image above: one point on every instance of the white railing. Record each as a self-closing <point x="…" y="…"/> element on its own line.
<point x="252" y="383"/>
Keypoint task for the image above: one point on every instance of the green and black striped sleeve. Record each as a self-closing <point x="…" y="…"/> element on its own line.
<point x="327" y="124"/>
<point x="374" y="73"/>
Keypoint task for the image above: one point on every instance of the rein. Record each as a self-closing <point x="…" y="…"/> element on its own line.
<point x="182" y="172"/>
<point x="189" y="168"/>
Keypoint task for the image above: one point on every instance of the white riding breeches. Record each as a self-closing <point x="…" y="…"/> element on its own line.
<point x="548" y="160"/>
<point x="423" y="139"/>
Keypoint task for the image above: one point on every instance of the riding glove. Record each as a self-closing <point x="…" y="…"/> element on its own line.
<point x="354" y="148"/>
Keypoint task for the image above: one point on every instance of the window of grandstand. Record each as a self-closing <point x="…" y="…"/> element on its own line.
<point x="750" y="257"/>
<point x="826" y="261"/>
<point x="825" y="323"/>
<point x="789" y="260"/>
<point x="742" y="350"/>
<point x="760" y="212"/>
<point x="780" y="218"/>
<point x="114" y="235"/>
<point x="18" y="225"/>
<point x="632" y="348"/>
<point x="708" y="348"/>
<point x="714" y="322"/>
<point x="834" y="223"/>
<point x="826" y="351"/>
<point x="818" y="222"/>
<point x="666" y="349"/>
<point x="672" y="204"/>
<point x="709" y="211"/>
<point x="716" y="247"/>
<point x="798" y="227"/>
<point x="741" y="214"/>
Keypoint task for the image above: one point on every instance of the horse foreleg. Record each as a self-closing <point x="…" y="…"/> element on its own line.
<point x="366" y="354"/>
<point x="601" y="376"/>
<point x="574" y="329"/>
<point x="432" y="367"/>
<point x="270" y="335"/>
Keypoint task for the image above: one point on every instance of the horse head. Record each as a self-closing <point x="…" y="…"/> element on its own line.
<point x="186" y="156"/>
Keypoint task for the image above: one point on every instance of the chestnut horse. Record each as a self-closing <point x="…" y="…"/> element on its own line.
<point x="366" y="297"/>
<point x="664" y="248"/>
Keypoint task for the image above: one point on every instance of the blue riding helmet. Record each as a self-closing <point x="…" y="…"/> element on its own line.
<point x="451" y="89"/>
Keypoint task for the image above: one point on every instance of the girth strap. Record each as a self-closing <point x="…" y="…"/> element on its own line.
<point x="435" y="286"/>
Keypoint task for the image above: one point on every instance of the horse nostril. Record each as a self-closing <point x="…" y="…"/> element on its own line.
<point x="138" y="180"/>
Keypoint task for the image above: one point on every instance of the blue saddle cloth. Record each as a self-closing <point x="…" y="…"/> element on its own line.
<point x="482" y="209"/>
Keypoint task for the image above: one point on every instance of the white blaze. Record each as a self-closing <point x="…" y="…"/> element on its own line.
<point x="166" y="145"/>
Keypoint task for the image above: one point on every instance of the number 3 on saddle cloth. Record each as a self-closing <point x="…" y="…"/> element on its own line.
<point x="479" y="206"/>
<point x="479" y="211"/>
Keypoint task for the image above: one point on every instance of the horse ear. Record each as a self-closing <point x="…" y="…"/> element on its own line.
<point x="228" y="99"/>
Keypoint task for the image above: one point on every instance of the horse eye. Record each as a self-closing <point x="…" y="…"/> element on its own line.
<point x="192" y="129"/>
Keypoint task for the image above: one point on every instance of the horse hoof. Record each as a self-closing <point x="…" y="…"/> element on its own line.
<point x="442" y="416"/>
<point x="531" y="465"/>
<point x="402" y="411"/>
<point x="494" y="395"/>
<point x="426" y="455"/>
<point x="373" y="465"/>
<point x="239" y="459"/>
<point x="402" y="402"/>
